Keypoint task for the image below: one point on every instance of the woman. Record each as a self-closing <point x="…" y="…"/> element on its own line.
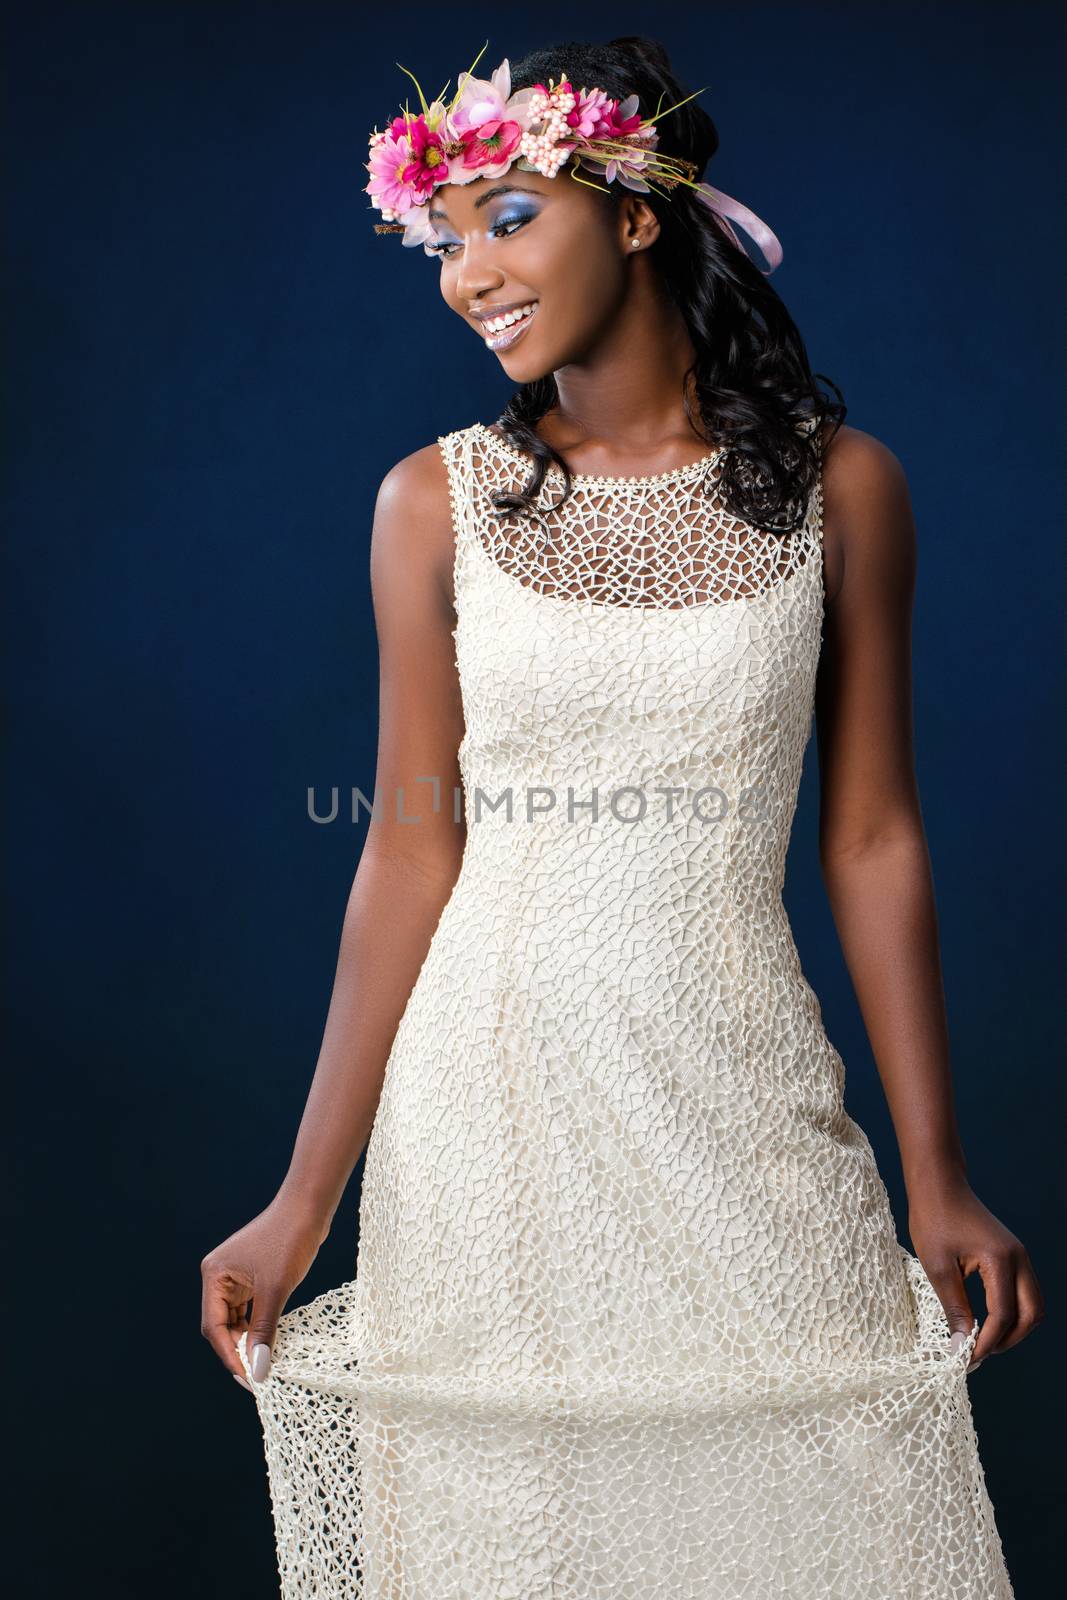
<point x="631" y="1317"/>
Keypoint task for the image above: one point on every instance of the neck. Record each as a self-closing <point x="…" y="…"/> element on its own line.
<point x="624" y="396"/>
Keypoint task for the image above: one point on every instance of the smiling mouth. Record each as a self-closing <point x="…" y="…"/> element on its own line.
<point x="503" y="337"/>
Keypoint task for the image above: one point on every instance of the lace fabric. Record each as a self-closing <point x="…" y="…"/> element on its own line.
<point x="630" y="1319"/>
<point x="641" y="542"/>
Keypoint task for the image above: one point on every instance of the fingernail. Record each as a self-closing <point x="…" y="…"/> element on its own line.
<point x="260" y="1361"/>
<point x="975" y="1365"/>
<point x="957" y="1339"/>
<point x="240" y="1378"/>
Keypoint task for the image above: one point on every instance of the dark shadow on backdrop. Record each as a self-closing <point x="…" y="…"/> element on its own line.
<point x="213" y="360"/>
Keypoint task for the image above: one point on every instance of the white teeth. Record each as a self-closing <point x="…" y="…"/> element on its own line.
<point x="509" y="318"/>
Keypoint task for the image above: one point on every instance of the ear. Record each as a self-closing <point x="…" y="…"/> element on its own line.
<point x="638" y="223"/>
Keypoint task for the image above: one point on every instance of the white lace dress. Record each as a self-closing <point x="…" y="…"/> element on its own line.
<point x="631" y="1320"/>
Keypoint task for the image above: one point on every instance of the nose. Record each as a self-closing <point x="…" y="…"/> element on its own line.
<point x="477" y="275"/>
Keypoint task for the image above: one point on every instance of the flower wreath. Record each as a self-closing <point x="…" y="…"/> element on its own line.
<point x="485" y="129"/>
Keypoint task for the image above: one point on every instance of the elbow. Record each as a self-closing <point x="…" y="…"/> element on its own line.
<point x="428" y="868"/>
<point x="901" y="838"/>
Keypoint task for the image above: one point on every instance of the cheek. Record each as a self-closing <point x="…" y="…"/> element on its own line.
<point x="578" y="277"/>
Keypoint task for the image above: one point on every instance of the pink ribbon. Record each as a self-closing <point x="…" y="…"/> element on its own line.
<point x="725" y="206"/>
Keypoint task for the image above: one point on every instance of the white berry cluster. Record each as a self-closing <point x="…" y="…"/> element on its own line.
<point x="546" y="149"/>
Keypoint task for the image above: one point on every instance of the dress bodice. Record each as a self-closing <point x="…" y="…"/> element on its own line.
<point x="638" y="649"/>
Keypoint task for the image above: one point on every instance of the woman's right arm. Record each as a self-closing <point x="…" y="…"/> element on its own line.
<point x="406" y="872"/>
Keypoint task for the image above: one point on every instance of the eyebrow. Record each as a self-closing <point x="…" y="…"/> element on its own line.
<point x="437" y="215"/>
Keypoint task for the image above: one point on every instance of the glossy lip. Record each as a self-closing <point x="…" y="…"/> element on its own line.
<point x="510" y="336"/>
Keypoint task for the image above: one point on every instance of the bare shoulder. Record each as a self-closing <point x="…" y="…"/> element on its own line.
<point x="857" y="465"/>
<point x="413" y="519"/>
<point x="867" y="513"/>
<point x="417" y="482"/>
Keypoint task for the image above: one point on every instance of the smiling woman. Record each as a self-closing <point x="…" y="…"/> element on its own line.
<point x="489" y="205"/>
<point x="631" y="1319"/>
<point x="502" y="245"/>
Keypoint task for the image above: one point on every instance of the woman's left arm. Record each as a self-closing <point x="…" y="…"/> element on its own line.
<point x="876" y="867"/>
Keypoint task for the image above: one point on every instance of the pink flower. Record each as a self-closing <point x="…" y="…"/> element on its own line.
<point x="589" y="119"/>
<point x="619" y="118"/>
<point x="482" y="100"/>
<point x="489" y="121"/>
<point x="427" y="167"/>
<point x="406" y="164"/>
<point x="490" y="143"/>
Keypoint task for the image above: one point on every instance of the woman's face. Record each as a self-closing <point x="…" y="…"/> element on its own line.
<point x="552" y="244"/>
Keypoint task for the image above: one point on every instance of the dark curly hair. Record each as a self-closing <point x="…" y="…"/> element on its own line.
<point x="751" y="376"/>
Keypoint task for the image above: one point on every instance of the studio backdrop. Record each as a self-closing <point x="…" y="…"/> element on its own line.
<point x="213" y="360"/>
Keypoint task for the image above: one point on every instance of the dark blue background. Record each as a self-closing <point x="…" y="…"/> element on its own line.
<point x="212" y="362"/>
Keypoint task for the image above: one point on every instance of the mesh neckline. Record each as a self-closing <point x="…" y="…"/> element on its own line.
<point x="600" y="480"/>
<point x="591" y="606"/>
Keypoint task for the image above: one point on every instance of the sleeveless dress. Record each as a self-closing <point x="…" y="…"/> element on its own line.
<point x="631" y="1320"/>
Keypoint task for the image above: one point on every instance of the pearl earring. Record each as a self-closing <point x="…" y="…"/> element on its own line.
<point x="636" y="243"/>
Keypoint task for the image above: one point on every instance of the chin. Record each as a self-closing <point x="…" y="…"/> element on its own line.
<point x="527" y="363"/>
<point x="524" y="368"/>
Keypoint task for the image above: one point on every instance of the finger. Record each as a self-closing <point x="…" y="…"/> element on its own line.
<point x="215" y="1318"/>
<point x="1030" y="1305"/>
<point x="266" y="1309"/>
<point x="947" y="1280"/>
<point x="238" y="1321"/>
<point x="998" y="1281"/>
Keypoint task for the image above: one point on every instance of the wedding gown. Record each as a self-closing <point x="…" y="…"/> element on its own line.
<point x="631" y="1320"/>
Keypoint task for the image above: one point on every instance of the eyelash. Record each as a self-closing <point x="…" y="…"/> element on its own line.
<point x="513" y="223"/>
